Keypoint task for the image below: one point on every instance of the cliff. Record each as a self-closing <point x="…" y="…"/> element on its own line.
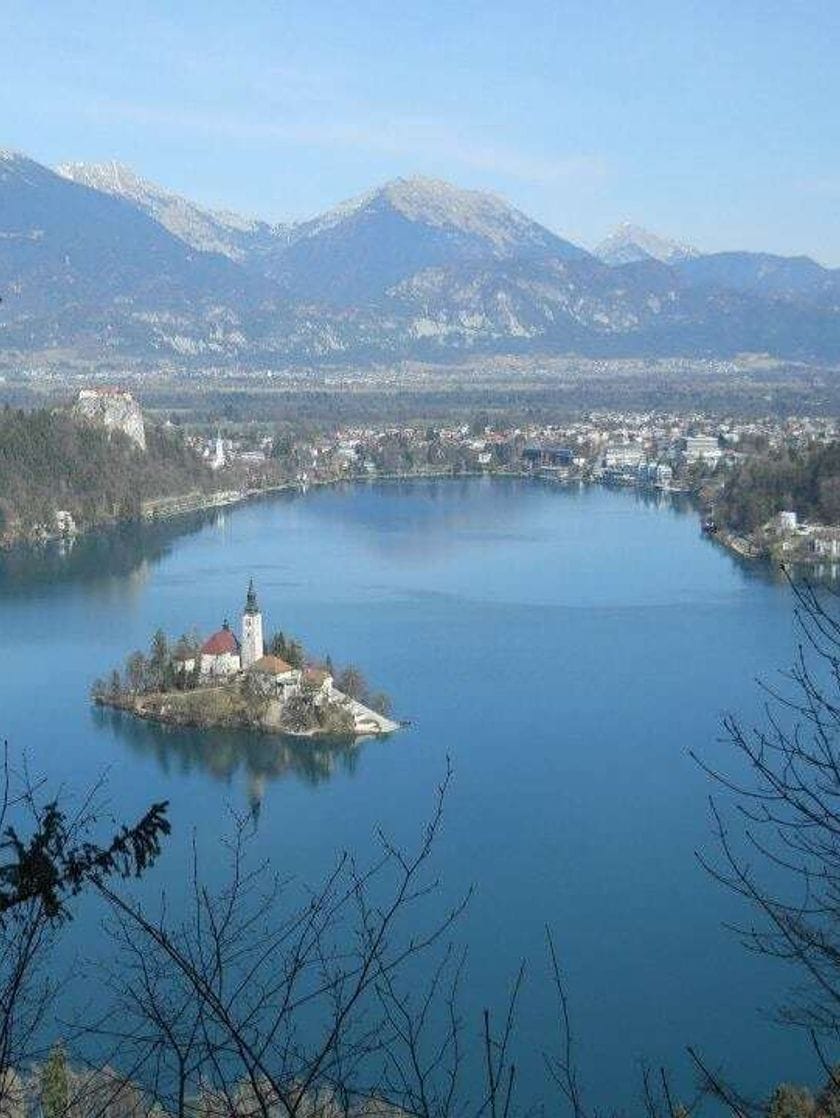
<point x="62" y="471"/>
<point x="113" y="409"/>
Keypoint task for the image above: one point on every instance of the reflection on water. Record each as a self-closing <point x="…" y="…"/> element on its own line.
<point x="225" y="753"/>
<point x="119" y="553"/>
<point x="565" y="647"/>
<point x="427" y="518"/>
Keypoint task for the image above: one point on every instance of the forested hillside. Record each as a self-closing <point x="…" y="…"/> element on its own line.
<point x="50" y="461"/>
<point x="806" y="481"/>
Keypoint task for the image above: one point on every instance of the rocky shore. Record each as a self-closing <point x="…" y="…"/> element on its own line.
<point x="233" y="706"/>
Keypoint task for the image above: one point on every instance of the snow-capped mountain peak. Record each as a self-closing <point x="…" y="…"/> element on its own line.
<point x="203" y="229"/>
<point x="112" y="177"/>
<point x="629" y="243"/>
<point x="475" y="212"/>
<point x="478" y="216"/>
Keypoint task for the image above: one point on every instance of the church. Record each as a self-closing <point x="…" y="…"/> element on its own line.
<point x="223" y="654"/>
<point x="227" y="658"/>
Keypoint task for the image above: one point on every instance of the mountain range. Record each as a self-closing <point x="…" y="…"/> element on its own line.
<point x="96" y="260"/>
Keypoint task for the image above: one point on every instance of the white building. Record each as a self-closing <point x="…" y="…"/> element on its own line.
<point x="699" y="448"/>
<point x="655" y="473"/>
<point x="826" y="543"/>
<point x="621" y="456"/>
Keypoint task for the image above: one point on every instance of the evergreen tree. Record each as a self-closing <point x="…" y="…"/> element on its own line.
<point x="136" y="670"/>
<point x="158" y="659"/>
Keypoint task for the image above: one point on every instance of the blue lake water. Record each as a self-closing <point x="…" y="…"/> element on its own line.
<point x="564" y="648"/>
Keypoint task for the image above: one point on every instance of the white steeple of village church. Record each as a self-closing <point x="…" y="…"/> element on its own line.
<point x="217" y="459"/>
<point x="252" y="629"/>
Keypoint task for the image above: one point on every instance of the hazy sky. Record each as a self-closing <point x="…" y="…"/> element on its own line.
<point x="716" y="122"/>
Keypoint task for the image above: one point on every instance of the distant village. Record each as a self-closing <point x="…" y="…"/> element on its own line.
<point x="666" y="453"/>
<point x="615" y="447"/>
<point x="670" y="453"/>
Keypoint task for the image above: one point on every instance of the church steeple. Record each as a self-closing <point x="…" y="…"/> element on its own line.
<point x="252" y="629"/>
<point x="251" y="599"/>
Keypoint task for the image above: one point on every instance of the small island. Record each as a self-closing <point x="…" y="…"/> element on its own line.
<point x="232" y="683"/>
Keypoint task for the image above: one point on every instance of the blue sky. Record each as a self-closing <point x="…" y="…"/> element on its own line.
<point x="716" y="122"/>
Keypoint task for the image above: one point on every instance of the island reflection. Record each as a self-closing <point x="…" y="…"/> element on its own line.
<point x="224" y="754"/>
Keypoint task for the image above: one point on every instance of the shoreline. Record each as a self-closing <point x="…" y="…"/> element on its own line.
<point x="170" y="508"/>
<point x="136" y="706"/>
<point x="133" y="707"/>
<point x="158" y="509"/>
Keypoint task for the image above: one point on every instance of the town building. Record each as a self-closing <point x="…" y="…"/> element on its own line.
<point x="656" y="474"/>
<point x="699" y="448"/>
<point x="623" y="456"/>
<point x="547" y="456"/>
<point x="825" y="543"/>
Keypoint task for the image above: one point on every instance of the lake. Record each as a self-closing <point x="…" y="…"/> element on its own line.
<point x="565" y="648"/>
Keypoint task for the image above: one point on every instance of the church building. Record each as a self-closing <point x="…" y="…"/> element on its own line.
<point x="220" y="654"/>
<point x="223" y="654"/>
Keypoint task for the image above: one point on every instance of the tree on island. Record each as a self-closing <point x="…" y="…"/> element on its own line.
<point x="136" y="671"/>
<point x="351" y="681"/>
<point x="287" y="649"/>
<point x="159" y="661"/>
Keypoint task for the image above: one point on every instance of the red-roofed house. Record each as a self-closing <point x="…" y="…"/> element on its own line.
<point x="274" y="676"/>
<point x="221" y="654"/>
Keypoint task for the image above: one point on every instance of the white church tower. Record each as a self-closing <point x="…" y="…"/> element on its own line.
<point x="252" y="629"/>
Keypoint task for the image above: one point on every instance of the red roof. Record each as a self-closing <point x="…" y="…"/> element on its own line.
<point x="271" y="665"/>
<point x="219" y="643"/>
<point x="316" y="675"/>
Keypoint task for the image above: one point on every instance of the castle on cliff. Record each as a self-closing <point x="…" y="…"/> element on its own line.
<point x="112" y="408"/>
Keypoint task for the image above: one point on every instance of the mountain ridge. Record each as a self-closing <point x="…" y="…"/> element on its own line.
<point x="416" y="267"/>
<point x="208" y="230"/>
